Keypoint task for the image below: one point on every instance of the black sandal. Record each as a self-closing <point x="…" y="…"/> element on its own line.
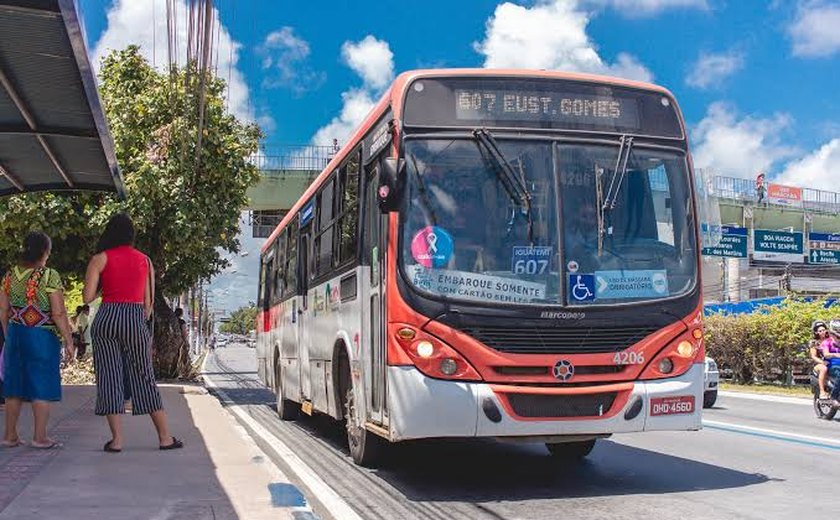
<point x="175" y="445"/>
<point x="109" y="449"/>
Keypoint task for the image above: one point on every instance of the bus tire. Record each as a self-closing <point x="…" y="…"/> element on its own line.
<point x="287" y="410"/>
<point x="570" y="451"/>
<point x="365" y="447"/>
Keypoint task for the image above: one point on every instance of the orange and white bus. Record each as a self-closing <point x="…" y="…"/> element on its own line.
<point x="494" y="253"/>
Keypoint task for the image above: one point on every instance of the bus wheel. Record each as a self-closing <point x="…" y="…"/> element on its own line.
<point x="365" y="447"/>
<point x="286" y="409"/>
<point x="570" y="450"/>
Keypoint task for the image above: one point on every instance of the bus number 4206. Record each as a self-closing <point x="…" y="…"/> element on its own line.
<point x="628" y="358"/>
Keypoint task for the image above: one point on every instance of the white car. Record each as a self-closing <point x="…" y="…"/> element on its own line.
<point x="711" y="380"/>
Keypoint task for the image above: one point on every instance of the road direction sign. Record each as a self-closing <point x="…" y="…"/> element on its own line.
<point x="825" y="249"/>
<point x="821" y="256"/>
<point x="733" y="243"/>
<point x="777" y="241"/>
<point x="824" y="241"/>
<point x="778" y="246"/>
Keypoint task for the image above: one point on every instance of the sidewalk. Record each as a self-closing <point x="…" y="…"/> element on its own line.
<point x="220" y="474"/>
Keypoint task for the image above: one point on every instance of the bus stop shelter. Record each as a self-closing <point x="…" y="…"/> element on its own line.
<point x="53" y="132"/>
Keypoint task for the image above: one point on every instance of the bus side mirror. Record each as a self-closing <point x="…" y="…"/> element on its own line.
<point x="389" y="189"/>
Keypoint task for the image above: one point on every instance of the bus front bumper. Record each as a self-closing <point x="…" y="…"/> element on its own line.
<point x="422" y="407"/>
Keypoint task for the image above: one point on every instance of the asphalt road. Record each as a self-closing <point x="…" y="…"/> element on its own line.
<point x="755" y="459"/>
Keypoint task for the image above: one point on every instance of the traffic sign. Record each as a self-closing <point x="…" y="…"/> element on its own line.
<point x="778" y="246"/>
<point x="733" y="243"/>
<point x="777" y="242"/>
<point x="825" y="249"/>
<point x="824" y="241"/>
<point x="822" y="256"/>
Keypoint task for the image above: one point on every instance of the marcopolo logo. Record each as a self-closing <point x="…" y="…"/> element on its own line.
<point x="563" y="370"/>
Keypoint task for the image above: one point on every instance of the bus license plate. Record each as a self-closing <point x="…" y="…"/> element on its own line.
<point x="672" y="405"/>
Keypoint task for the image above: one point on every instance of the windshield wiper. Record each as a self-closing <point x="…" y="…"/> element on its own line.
<point x="514" y="184"/>
<point x="424" y="193"/>
<point x="616" y="180"/>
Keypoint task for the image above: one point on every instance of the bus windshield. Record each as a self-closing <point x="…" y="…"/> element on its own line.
<point x="465" y="238"/>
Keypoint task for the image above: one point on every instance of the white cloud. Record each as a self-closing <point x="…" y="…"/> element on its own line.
<point x="739" y="147"/>
<point x="815" y="30"/>
<point x="642" y="7"/>
<point x="373" y="61"/>
<point x="144" y="23"/>
<point x="549" y="35"/>
<point x="357" y="104"/>
<point x="820" y="169"/>
<point x="283" y="58"/>
<point x="712" y="69"/>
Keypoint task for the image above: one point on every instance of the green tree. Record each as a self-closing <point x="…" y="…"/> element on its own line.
<point x="767" y="345"/>
<point x="185" y="187"/>
<point x="242" y="321"/>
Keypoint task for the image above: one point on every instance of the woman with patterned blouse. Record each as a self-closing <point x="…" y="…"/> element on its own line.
<point x="32" y="314"/>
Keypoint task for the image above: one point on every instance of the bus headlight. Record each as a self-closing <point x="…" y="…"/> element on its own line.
<point x="666" y="366"/>
<point x="687" y="349"/>
<point x="425" y="349"/>
<point x="448" y="366"/>
<point x="435" y="358"/>
<point x="675" y="359"/>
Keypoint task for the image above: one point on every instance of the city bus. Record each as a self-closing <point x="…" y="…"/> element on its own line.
<point x="494" y="253"/>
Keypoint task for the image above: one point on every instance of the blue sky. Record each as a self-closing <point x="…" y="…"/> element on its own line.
<point x="757" y="80"/>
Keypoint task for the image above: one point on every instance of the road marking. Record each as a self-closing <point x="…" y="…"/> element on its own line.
<point x="808" y="440"/>
<point x="331" y="500"/>
<point x="769" y="398"/>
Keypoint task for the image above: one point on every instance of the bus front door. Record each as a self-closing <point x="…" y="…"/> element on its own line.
<point x="373" y="353"/>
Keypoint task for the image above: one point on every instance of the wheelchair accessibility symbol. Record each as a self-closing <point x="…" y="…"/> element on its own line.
<point x="582" y="287"/>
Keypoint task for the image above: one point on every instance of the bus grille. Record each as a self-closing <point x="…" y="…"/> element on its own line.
<point x="539" y="405"/>
<point x="560" y="341"/>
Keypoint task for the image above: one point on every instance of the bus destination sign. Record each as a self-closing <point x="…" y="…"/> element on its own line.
<point x="560" y="107"/>
<point x="540" y="103"/>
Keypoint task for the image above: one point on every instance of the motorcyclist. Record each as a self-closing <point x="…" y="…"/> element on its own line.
<point x="831" y="352"/>
<point x="819" y="329"/>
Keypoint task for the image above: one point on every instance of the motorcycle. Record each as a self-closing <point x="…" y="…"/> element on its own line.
<point x="822" y="407"/>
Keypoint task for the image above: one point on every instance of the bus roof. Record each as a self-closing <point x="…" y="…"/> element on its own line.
<point x="404" y="79"/>
<point x="394" y="95"/>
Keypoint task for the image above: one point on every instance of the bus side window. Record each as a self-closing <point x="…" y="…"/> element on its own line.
<point x="269" y="277"/>
<point x="291" y="261"/>
<point x="279" y="267"/>
<point x="323" y="249"/>
<point x="261" y="291"/>
<point x="346" y="231"/>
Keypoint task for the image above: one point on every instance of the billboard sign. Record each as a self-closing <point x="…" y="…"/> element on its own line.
<point x="784" y="195"/>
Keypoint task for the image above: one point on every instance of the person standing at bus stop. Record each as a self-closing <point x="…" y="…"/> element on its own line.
<point x="32" y="313"/>
<point x="121" y="336"/>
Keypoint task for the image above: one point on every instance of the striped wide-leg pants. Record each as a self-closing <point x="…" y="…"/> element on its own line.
<point x="122" y="359"/>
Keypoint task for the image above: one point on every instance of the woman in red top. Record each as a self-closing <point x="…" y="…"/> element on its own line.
<point x="121" y="340"/>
